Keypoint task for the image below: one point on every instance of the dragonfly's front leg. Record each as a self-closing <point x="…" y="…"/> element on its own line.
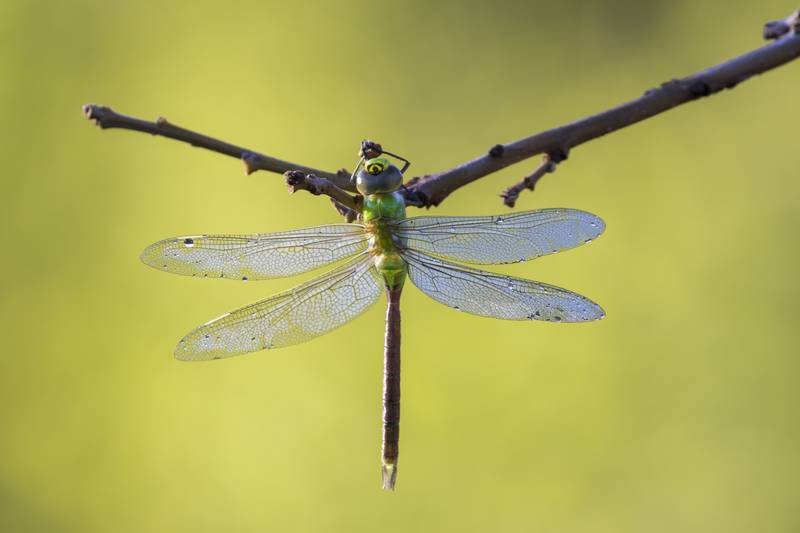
<point x="348" y="205"/>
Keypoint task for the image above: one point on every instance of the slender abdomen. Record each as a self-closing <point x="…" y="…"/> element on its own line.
<point x="391" y="390"/>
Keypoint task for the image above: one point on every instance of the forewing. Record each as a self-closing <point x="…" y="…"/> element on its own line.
<point x="263" y="256"/>
<point x="297" y="315"/>
<point x="502" y="238"/>
<point x="493" y="295"/>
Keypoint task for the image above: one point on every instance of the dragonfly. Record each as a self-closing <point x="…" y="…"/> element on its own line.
<point x="375" y="256"/>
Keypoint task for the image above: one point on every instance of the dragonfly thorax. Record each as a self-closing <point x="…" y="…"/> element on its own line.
<point x="381" y="213"/>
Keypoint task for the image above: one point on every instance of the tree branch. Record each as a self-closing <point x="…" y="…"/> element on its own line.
<point x="107" y="118"/>
<point x="511" y="194"/>
<point x="347" y="205"/>
<point x="433" y="189"/>
<point x="779" y="28"/>
<point x="556" y="143"/>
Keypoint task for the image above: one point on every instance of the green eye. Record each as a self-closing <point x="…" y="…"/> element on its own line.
<point x="376" y="166"/>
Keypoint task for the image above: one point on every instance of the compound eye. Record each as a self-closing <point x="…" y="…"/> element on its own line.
<point x="376" y="166"/>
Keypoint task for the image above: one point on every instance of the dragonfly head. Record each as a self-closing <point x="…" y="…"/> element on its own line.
<point x="378" y="176"/>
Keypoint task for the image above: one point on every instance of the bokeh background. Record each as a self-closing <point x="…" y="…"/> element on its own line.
<point x="675" y="413"/>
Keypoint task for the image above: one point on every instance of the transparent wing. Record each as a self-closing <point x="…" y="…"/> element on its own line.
<point x="500" y="239"/>
<point x="297" y="315"/>
<point x="487" y="294"/>
<point x="264" y="256"/>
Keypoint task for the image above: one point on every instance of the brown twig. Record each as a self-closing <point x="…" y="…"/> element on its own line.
<point x="348" y="214"/>
<point x="348" y="205"/>
<point x="431" y="190"/>
<point x="107" y="118"/>
<point x="511" y="194"/>
<point x="779" y="28"/>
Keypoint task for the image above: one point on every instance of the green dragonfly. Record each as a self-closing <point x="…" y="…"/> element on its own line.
<point x="378" y="254"/>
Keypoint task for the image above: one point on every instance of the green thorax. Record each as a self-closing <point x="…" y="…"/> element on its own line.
<point x="381" y="212"/>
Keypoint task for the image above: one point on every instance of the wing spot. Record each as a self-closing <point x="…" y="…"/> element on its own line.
<point x="188" y="242"/>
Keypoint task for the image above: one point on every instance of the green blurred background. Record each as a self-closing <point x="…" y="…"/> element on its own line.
<point x="675" y="413"/>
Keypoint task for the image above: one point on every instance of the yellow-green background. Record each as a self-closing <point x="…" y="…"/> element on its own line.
<point x="675" y="413"/>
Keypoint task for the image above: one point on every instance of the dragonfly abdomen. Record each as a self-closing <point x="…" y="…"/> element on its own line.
<point x="393" y="269"/>
<point x="391" y="391"/>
